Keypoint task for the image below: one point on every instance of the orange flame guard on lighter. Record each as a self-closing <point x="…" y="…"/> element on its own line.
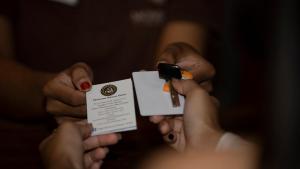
<point x="185" y="75"/>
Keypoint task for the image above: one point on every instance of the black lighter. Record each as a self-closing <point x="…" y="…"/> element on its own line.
<point x="167" y="72"/>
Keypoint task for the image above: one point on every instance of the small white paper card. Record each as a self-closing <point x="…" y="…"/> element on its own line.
<point x="110" y="107"/>
<point x="152" y="100"/>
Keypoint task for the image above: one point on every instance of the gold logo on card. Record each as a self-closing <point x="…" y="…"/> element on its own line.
<point x="108" y="90"/>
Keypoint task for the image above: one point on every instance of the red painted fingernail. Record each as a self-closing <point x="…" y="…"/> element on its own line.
<point x="85" y="85"/>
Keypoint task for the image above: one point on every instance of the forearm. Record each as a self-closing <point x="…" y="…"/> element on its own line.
<point x="21" y="90"/>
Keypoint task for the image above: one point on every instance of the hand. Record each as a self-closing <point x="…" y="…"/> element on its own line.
<point x="71" y="147"/>
<point x="65" y="93"/>
<point x="198" y="129"/>
<point x="188" y="58"/>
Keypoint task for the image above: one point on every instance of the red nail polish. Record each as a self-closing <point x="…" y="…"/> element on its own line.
<point x="85" y="85"/>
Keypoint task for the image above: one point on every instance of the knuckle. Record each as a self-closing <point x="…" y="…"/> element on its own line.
<point x="82" y="110"/>
<point x="207" y="86"/>
<point x="74" y="99"/>
<point x="49" y="108"/>
<point x="198" y="91"/>
<point x="102" y="153"/>
<point x="66" y="125"/>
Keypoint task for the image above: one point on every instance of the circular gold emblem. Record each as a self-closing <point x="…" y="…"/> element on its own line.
<point x="108" y="90"/>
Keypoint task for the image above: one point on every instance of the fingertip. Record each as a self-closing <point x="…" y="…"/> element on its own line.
<point x="111" y="139"/>
<point x="164" y="127"/>
<point x="160" y="61"/>
<point x="156" y="119"/>
<point x="82" y="76"/>
<point x="99" y="153"/>
<point x="97" y="165"/>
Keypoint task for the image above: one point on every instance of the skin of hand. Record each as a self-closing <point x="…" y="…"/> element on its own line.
<point x="188" y="58"/>
<point x="71" y="147"/>
<point x="198" y="128"/>
<point x="65" y="93"/>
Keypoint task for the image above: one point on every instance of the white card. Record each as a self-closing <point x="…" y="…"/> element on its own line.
<point x="110" y="107"/>
<point x="152" y="99"/>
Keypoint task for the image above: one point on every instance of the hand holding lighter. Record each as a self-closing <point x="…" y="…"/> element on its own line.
<point x="167" y="72"/>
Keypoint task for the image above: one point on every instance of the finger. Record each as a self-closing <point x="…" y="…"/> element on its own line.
<point x="95" y="156"/>
<point x="56" y="107"/>
<point x="82" y="122"/>
<point x="63" y="119"/>
<point x="176" y="140"/>
<point x="165" y="127"/>
<point x="82" y="76"/>
<point x="188" y="58"/>
<point x="176" y="137"/>
<point x="100" y="141"/>
<point x="175" y="124"/>
<point x="156" y="119"/>
<point x="96" y="165"/>
<point x="85" y="130"/>
<point x="215" y="101"/>
<point x="201" y="69"/>
<point x="185" y="86"/>
<point x="64" y="93"/>
<point x="170" y="124"/>
<point x="207" y="85"/>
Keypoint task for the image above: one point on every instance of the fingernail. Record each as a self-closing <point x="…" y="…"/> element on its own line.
<point x="161" y="61"/>
<point x="171" y="137"/>
<point x="85" y="85"/>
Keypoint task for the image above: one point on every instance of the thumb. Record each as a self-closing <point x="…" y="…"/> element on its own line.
<point x="82" y="76"/>
<point x="184" y="87"/>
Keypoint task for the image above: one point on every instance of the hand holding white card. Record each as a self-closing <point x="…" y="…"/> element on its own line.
<point x="110" y="107"/>
<point x="152" y="99"/>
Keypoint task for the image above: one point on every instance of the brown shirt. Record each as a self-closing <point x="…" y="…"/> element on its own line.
<point x="113" y="37"/>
